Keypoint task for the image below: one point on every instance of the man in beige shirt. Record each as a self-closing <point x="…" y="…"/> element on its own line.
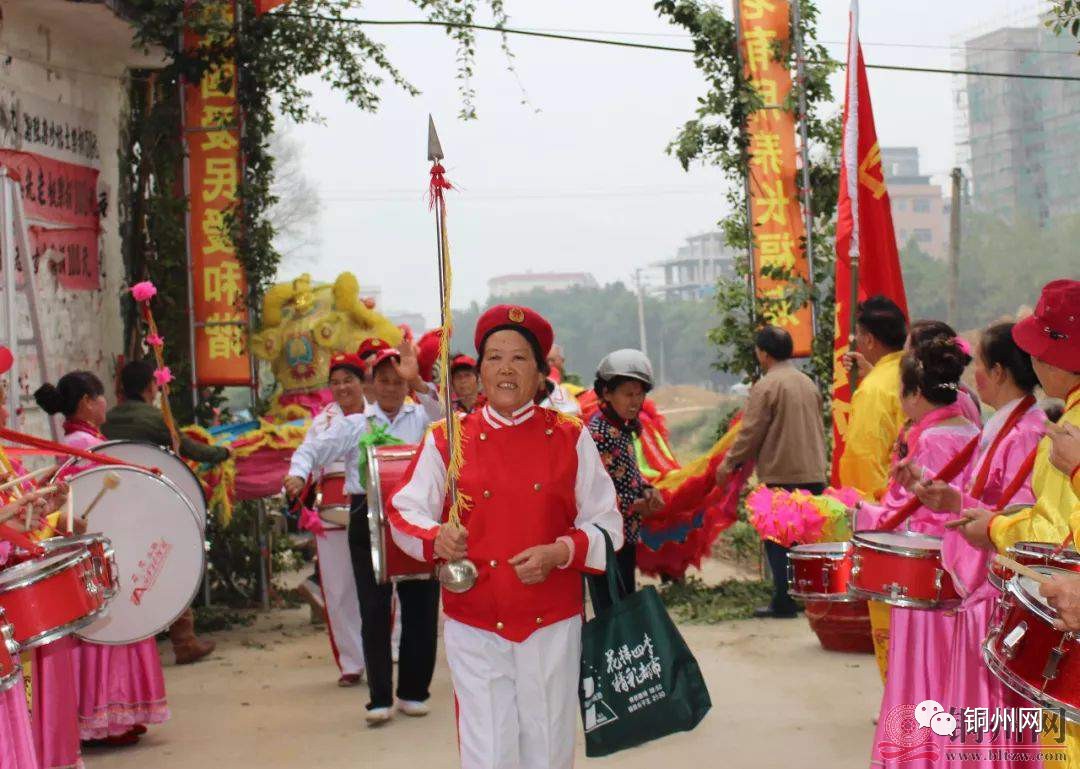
<point x="782" y="431"/>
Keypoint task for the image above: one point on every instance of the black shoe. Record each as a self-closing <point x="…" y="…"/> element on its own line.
<point x="768" y="612"/>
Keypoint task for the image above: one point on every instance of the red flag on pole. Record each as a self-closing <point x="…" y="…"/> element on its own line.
<point x="262" y="6"/>
<point x="865" y="240"/>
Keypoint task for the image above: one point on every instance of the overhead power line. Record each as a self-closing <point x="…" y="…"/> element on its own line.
<point x="644" y="46"/>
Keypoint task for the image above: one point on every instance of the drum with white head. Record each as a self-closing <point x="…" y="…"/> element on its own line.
<point x="151" y="456"/>
<point x="158" y="546"/>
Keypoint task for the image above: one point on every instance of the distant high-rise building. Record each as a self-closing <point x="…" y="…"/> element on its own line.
<point x="523" y="283"/>
<point x="1022" y="134"/>
<point x="918" y="209"/>
<point x="693" y="271"/>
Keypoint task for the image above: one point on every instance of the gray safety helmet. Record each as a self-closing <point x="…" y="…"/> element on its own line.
<point x="630" y="363"/>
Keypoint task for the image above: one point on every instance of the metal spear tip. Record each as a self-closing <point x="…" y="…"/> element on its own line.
<point x="434" y="148"/>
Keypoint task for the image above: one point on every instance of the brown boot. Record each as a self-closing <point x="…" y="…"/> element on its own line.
<point x="186" y="646"/>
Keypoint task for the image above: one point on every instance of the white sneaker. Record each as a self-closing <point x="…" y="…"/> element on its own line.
<point x="377" y="716"/>
<point x="413" y="708"/>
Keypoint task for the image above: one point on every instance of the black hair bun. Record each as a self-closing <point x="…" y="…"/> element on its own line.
<point x="49" y="398"/>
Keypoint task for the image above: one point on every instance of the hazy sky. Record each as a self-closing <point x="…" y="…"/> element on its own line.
<point x="578" y="179"/>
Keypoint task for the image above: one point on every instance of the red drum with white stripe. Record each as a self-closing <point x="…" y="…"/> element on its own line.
<point x="820" y="572"/>
<point x="1024" y="553"/>
<point x="50" y="597"/>
<point x="386" y="472"/>
<point x="10" y="669"/>
<point x="332" y="502"/>
<point x="1028" y="654"/>
<point x="902" y="568"/>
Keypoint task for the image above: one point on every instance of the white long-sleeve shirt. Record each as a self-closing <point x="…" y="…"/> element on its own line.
<point x="341" y="440"/>
<point x="420" y="501"/>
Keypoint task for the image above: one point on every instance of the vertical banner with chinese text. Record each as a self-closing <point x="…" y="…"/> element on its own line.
<point x="775" y="216"/>
<point x="218" y="283"/>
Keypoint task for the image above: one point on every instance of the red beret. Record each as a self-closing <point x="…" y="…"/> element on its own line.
<point x="384" y="355"/>
<point x="347" y="360"/>
<point x="427" y="351"/>
<point x="6" y="360"/>
<point x="513" y="316"/>
<point x="1052" y="332"/>
<point x="371" y="346"/>
<point x="462" y="361"/>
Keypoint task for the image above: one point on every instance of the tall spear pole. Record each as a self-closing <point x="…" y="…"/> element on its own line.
<point x="456" y="576"/>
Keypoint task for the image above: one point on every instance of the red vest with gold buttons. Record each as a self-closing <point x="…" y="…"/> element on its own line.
<point x="520" y="481"/>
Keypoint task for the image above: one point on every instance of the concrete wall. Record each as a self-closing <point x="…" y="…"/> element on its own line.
<point x="75" y="55"/>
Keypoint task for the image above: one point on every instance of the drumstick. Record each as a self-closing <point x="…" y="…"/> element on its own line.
<point x="108" y="483"/>
<point x="1019" y="568"/>
<point x="69" y="508"/>
<point x="27" y="477"/>
<point x="956" y="523"/>
<point x="27" y="499"/>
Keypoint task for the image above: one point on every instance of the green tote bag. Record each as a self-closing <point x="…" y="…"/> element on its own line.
<point x="639" y="680"/>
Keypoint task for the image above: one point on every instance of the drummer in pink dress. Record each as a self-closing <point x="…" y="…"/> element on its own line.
<point x="920" y="640"/>
<point x="1002" y="476"/>
<point x="120" y="688"/>
<point x="16" y="738"/>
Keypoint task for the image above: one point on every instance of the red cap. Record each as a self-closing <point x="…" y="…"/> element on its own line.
<point x="348" y="360"/>
<point x="427" y="351"/>
<point x="1052" y="332"/>
<point x="384" y="355"/>
<point x="512" y="316"/>
<point x="6" y="359"/>
<point x="371" y="346"/>
<point x="461" y="361"/>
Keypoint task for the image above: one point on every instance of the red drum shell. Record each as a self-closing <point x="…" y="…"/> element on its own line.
<point x="50" y="597"/>
<point x="820" y="572"/>
<point x="1029" y="655"/>
<point x="10" y="669"/>
<point x="102" y="557"/>
<point x="901" y="569"/>
<point x="333" y="501"/>
<point x="1026" y="553"/>
<point x="386" y="470"/>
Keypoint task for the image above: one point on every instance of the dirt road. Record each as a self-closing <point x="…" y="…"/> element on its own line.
<point x="267" y="699"/>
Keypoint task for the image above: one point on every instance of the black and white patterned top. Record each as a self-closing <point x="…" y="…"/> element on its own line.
<point x="614" y="439"/>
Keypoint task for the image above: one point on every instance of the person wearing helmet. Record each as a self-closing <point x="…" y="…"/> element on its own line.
<point x="782" y="431"/>
<point x="623" y="378"/>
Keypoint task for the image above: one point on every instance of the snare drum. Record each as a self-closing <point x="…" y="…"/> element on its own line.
<point x="901" y="568"/>
<point x="10" y="669"/>
<point x="158" y="546"/>
<point x="1026" y="553"/>
<point x="52" y="596"/>
<point x="332" y="502"/>
<point x="101" y="556"/>
<point x="1029" y="655"/>
<point x="820" y="572"/>
<point x="386" y="471"/>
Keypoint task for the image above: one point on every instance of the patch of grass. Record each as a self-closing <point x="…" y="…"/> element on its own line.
<point x="695" y="602"/>
<point x="210" y="619"/>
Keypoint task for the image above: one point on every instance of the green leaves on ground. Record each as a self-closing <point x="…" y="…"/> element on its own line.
<point x="693" y="601"/>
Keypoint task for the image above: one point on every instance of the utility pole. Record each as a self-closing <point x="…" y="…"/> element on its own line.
<point x="953" y="285"/>
<point x="641" y="310"/>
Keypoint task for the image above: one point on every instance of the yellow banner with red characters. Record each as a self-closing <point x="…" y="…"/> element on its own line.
<point x="775" y="214"/>
<point x="218" y="282"/>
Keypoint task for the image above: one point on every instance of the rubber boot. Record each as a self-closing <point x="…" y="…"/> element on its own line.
<point x="186" y="646"/>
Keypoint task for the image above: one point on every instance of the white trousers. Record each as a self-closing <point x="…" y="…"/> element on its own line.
<point x="342" y="605"/>
<point x="517" y="702"/>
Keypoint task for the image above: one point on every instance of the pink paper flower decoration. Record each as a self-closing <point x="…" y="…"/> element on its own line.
<point x="155" y="340"/>
<point x="143" y="292"/>
<point x="163" y="376"/>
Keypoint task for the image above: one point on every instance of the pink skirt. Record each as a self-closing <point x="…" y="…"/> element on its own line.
<point x="55" y="711"/>
<point x="119" y="687"/>
<point x="16" y="738"/>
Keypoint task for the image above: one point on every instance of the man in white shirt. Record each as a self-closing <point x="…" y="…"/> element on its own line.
<point x="396" y="375"/>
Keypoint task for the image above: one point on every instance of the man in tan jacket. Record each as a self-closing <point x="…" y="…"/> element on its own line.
<point x="783" y="432"/>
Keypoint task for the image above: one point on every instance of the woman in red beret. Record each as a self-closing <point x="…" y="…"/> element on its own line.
<point x="537" y="497"/>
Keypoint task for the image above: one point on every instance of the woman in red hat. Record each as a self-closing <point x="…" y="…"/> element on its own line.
<point x="336" y="579"/>
<point x="536" y="498"/>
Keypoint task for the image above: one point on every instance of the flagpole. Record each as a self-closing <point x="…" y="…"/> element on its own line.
<point x="851" y="165"/>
